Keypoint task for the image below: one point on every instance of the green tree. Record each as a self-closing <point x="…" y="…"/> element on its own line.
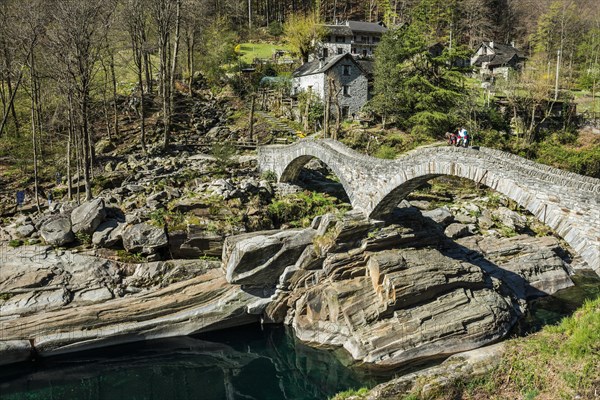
<point x="416" y="84"/>
<point x="218" y="44"/>
<point x="303" y="32"/>
<point x="588" y="53"/>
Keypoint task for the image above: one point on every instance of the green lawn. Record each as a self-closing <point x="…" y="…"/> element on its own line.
<point x="250" y="51"/>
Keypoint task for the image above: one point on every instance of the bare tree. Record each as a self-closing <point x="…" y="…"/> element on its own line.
<point x="78" y="44"/>
<point x="135" y="20"/>
<point x="164" y="16"/>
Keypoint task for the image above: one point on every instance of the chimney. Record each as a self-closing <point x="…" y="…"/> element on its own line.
<point x="492" y="44"/>
<point x="512" y="43"/>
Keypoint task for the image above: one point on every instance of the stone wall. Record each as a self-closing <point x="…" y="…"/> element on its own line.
<point x="566" y="202"/>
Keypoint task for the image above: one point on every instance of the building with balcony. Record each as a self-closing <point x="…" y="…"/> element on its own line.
<point x="357" y="38"/>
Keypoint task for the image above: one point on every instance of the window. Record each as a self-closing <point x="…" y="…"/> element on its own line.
<point x="325" y="52"/>
<point x="376" y="39"/>
<point x="340" y="50"/>
<point x="340" y="39"/>
<point x="346" y="91"/>
<point x="346" y="70"/>
<point x="345" y="112"/>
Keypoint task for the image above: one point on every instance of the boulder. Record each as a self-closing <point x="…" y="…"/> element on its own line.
<point x="57" y="231"/>
<point x="25" y="230"/>
<point x="195" y="243"/>
<point x="14" y="351"/>
<point x="440" y="215"/>
<point x="511" y="219"/>
<point x="157" y="200"/>
<point x="258" y="259"/>
<point x="88" y="216"/>
<point x="456" y="231"/>
<point x="104" y="146"/>
<point x="104" y="237"/>
<point x="144" y="238"/>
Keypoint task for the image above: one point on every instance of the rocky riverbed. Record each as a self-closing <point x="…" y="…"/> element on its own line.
<point x="165" y="251"/>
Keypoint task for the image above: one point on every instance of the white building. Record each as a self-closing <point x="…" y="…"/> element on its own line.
<point x="351" y="81"/>
<point x="496" y="59"/>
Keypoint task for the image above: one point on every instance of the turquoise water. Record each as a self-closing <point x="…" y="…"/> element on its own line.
<point x="245" y="363"/>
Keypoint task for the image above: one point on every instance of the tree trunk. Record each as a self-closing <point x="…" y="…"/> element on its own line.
<point x="105" y="103"/>
<point x="114" y="88"/>
<point x="327" y="111"/>
<point x="34" y="119"/>
<point x="147" y="63"/>
<point x="78" y="153"/>
<point x="11" y="104"/>
<point x="174" y="67"/>
<point x="142" y="111"/>
<point x="85" y="134"/>
<point x="251" y="130"/>
<point x="69" y="149"/>
<point x="306" y="112"/>
<point x="190" y="56"/>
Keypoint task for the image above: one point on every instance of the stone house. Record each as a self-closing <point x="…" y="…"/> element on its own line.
<point x="350" y="81"/>
<point x="357" y="38"/>
<point x="495" y="59"/>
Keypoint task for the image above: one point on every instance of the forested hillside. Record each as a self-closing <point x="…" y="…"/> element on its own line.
<point x="73" y="73"/>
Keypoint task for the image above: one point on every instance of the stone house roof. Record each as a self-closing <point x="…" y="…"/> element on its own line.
<point x="496" y="55"/>
<point x="349" y="28"/>
<point x="319" y="67"/>
<point x="371" y="27"/>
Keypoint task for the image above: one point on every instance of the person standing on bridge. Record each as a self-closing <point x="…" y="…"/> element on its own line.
<point x="463" y="137"/>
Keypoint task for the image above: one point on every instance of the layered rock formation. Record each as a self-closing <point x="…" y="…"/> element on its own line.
<point x="388" y="293"/>
<point x="58" y="302"/>
<point x="398" y="293"/>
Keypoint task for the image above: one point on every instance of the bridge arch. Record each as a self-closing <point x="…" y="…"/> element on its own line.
<point x="566" y="202"/>
<point x="292" y="171"/>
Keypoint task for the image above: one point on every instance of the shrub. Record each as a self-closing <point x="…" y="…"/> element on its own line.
<point x="15" y="243"/>
<point x="223" y="152"/>
<point x="269" y="176"/>
<point x="385" y="152"/>
<point x="275" y="28"/>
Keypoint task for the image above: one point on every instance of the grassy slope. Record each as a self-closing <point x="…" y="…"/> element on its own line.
<point x="250" y="51"/>
<point x="559" y="362"/>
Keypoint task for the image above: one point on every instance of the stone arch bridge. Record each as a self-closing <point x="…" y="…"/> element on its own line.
<point x="566" y="202"/>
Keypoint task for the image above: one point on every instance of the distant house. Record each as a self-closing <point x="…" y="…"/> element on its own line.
<point x="350" y="77"/>
<point x="357" y="38"/>
<point x="495" y="59"/>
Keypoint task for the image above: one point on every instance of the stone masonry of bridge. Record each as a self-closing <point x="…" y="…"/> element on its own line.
<point x="566" y="202"/>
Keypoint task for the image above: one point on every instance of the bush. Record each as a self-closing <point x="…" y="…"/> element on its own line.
<point x="275" y="28"/>
<point x="269" y="176"/>
<point x="299" y="209"/>
<point x="223" y="152"/>
<point x="15" y="243"/>
<point x="385" y="152"/>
